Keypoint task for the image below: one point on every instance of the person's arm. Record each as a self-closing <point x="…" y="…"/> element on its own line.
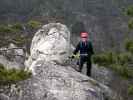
<point x="76" y="49"/>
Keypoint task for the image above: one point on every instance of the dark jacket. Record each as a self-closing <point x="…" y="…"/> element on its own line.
<point x="84" y="48"/>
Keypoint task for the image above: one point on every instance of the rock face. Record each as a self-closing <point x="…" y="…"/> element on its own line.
<point x="112" y="79"/>
<point x="102" y="74"/>
<point x="12" y="57"/>
<point x="52" y="80"/>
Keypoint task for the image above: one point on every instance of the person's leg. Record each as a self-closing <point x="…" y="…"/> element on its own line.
<point x="89" y="67"/>
<point x="81" y="63"/>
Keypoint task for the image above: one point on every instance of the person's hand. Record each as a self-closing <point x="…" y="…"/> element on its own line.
<point x="72" y="57"/>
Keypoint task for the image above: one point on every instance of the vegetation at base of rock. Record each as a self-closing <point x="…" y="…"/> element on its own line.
<point x="117" y="66"/>
<point x="7" y="29"/>
<point x="13" y="33"/>
<point x="9" y="76"/>
<point x="34" y="24"/>
<point x="130" y="24"/>
<point x="119" y="62"/>
<point x="11" y="28"/>
<point x="129" y="45"/>
<point x="19" y="40"/>
<point x="17" y="26"/>
<point x="129" y="10"/>
<point x="104" y="59"/>
<point x="123" y="71"/>
<point x="130" y="90"/>
<point x="17" y="32"/>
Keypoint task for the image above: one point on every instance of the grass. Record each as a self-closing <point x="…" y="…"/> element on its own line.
<point x="9" y="76"/>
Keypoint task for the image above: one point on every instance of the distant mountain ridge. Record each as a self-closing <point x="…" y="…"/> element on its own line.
<point x="36" y="7"/>
<point x="103" y="19"/>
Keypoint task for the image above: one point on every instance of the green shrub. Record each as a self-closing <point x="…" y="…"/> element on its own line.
<point x="104" y="59"/>
<point x="8" y="76"/>
<point x="17" y="26"/>
<point x="100" y="59"/>
<point x="113" y="58"/>
<point x="125" y="72"/>
<point x="122" y="70"/>
<point x="1" y="67"/>
<point x="130" y="90"/>
<point x="34" y="24"/>
<point x="117" y="62"/>
<point x="6" y="29"/>
<point x="19" y="40"/>
<point x="130" y="24"/>
<point x="11" y="29"/>
<point x="129" y="11"/>
<point x="125" y="58"/>
<point x="129" y="45"/>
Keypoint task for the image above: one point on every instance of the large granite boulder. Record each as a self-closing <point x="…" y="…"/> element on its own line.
<point x="52" y="80"/>
<point x="51" y="43"/>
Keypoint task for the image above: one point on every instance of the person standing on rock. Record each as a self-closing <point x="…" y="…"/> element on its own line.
<point x="85" y="49"/>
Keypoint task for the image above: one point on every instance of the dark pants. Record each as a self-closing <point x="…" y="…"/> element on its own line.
<point x="87" y="60"/>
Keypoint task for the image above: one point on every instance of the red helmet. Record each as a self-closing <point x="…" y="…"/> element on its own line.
<point x="84" y="34"/>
